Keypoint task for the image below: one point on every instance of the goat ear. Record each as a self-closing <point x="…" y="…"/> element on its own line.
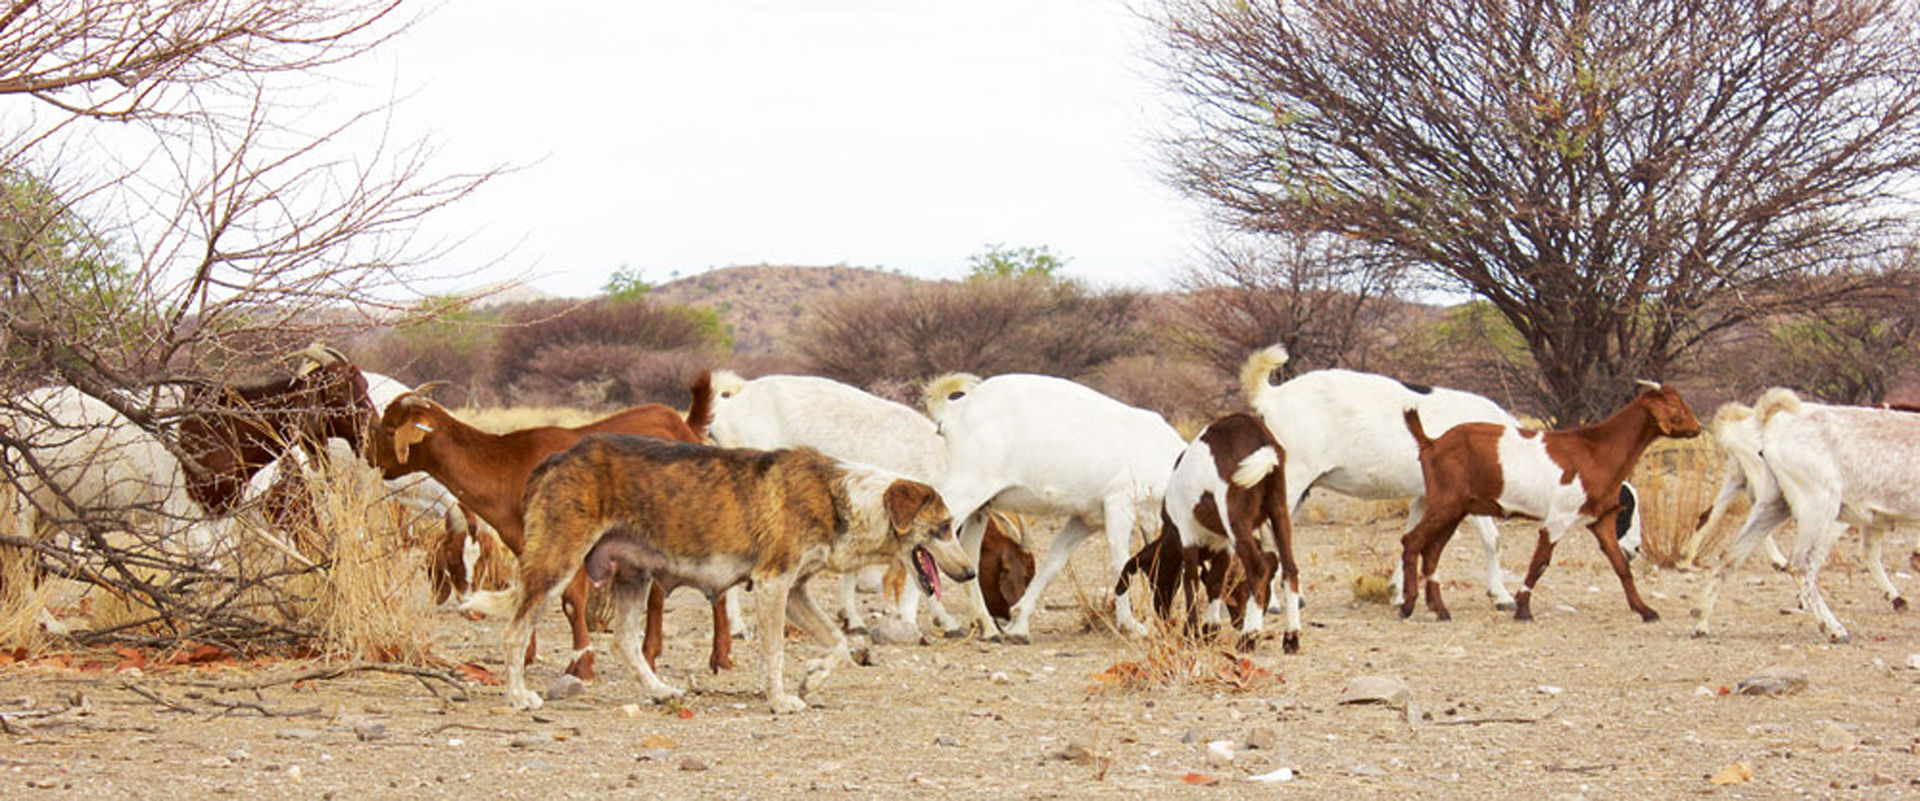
<point x="407" y="436"/>
<point x="903" y="500"/>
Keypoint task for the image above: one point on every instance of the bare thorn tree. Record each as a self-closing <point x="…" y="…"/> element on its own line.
<point x="1620" y="180"/>
<point x="177" y="207"/>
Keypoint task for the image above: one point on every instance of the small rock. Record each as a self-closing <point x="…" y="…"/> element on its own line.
<point x="1000" y="677"/>
<point x="1913" y="661"/>
<point x="566" y="685"/>
<point x="1550" y="689"/>
<point x="1193" y="735"/>
<point x="1281" y="775"/>
<point x="301" y="735"/>
<point x="1882" y="779"/>
<point x="1833" y="737"/>
<point x="694" y="764"/>
<point x="1703" y="690"/>
<point x="1389" y="690"/>
<point x="239" y="755"/>
<point x="1220" y="753"/>
<point x="1078" y="750"/>
<point x="531" y="740"/>
<point x="1364" y="769"/>
<point x="894" y="631"/>
<point x="1263" y="738"/>
<point x="293" y="771"/>
<point x="630" y="710"/>
<point x="1567" y="608"/>
<point x="1776" y="680"/>
<point x="945" y="741"/>
<point x="369" y="731"/>
<point x="1736" y="773"/>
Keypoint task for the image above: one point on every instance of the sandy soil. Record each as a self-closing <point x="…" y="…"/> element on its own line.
<point x="1586" y="701"/>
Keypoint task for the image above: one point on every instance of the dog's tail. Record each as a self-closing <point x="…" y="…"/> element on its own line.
<point x="1420" y="438"/>
<point x="943" y="391"/>
<point x="493" y="603"/>
<point x="1256" y="467"/>
<point x="1257" y="375"/>
<point x="727" y="383"/>
<point x="1775" y="401"/>
<point x="700" y="414"/>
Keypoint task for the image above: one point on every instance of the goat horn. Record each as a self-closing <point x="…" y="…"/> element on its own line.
<point x="418" y="397"/>
<point x="1648" y="384"/>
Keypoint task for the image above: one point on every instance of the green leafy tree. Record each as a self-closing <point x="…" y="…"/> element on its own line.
<point x="1000" y="261"/>
<point x="625" y="285"/>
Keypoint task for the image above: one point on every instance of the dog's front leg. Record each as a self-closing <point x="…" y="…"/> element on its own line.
<point x="815" y="622"/>
<point x="770" y="597"/>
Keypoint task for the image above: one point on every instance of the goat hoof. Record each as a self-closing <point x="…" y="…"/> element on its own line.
<point x="1523" y="615"/>
<point x="1290" y="642"/>
<point x="1899" y="604"/>
<point x="1649" y="616"/>
<point x="1701" y="633"/>
<point x="1504" y="606"/>
<point x="582" y="668"/>
<point x="1443" y="616"/>
<point x="1840" y="639"/>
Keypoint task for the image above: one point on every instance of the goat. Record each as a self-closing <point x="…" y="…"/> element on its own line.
<point x="1561" y="478"/>
<point x="1224" y="487"/>
<point x="791" y="411"/>
<point x="231" y="432"/>
<point x="488" y="473"/>
<point x="1042" y="445"/>
<point x="1830" y="465"/>
<point x="81" y="468"/>
<point x="1342" y="432"/>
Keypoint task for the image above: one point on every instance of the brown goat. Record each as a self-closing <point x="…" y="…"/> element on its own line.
<point x="488" y="473"/>
<point x="1561" y="478"/>
<point x="234" y="431"/>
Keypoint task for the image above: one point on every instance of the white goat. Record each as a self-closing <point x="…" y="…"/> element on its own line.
<point x="1737" y="432"/>
<point x="1042" y="445"/>
<point x="1344" y="431"/>
<point x="1831" y="465"/>
<point x="788" y="411"/>
<point x="79" y="457"/>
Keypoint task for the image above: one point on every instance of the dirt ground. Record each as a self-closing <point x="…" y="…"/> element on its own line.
<point x="1585" y="702"/>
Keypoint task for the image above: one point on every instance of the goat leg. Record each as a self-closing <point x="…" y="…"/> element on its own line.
<point x="1603" y="530"/>
<point x="574" y="601"/>
<point x="1542" y="554"/>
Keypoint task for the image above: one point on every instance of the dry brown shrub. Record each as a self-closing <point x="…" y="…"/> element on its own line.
<point x="1173" y="658"/>
<point x="1676" y="481"/>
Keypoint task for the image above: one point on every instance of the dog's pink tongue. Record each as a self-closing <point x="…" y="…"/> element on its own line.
<point x="926" y="561"/>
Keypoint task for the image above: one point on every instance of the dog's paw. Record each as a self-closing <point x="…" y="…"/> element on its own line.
<point x="524" y="700"/>
<point x="784" y="704"/>
<point x="662" y="691"/>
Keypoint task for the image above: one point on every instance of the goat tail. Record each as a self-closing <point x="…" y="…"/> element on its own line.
<point x="493" y="603"/>
<point x="727" y="383"/>
<point x="1257" y="374"/>
<point x="1256" y="467"/>
<point x="1774" y="401"/>
<point x="700" y="414"/>
<point x="943" y="391"/>
<point x="1412" y="416"/>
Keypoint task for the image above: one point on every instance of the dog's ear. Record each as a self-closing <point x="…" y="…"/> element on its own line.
<point x="904" y="500"/>
<point x="409" y="435"/>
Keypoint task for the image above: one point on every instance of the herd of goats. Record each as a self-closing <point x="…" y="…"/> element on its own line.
<point x="995" y="449"/>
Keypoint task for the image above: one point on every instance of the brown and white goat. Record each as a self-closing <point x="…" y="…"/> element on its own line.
<point x="488" y="473"/>
<point x="1562" y="478"/>
<point x="1224" y="487"/>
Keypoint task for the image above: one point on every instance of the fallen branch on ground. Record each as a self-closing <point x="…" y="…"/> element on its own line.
<point x="1477" y="721"/>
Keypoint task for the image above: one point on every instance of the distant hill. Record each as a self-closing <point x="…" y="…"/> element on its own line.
<point x="764" y="303"/>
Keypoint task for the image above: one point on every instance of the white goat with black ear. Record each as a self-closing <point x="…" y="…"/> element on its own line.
<point x="1344" y="431"/>
<point x="1036" y="444"/>
<point x="1832" y="465"/>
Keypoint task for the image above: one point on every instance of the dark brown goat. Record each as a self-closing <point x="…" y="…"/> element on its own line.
<point x="234" y="431"/>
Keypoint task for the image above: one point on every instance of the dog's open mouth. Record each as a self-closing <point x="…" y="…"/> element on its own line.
<point x="924" y="569"/>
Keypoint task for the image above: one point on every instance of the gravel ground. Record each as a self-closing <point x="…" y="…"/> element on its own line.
<point x="1585" y="702"/>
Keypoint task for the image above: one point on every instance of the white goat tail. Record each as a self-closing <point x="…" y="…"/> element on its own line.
<point x="1256" y="467"/>
<point x="492" y="603"/>
<point x="1256" y="375"/>
<point x="1774" y="401"/>
<point x="727" y="383"/>
<point x="945" y="390"/>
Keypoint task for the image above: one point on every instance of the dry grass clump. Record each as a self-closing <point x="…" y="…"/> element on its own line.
<point x="1171" y="657"/>
<point x="1677" y="480"/>
<point x="22" y="601"/>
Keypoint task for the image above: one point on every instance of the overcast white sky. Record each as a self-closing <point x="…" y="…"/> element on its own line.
<point x="691" y="135"/>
